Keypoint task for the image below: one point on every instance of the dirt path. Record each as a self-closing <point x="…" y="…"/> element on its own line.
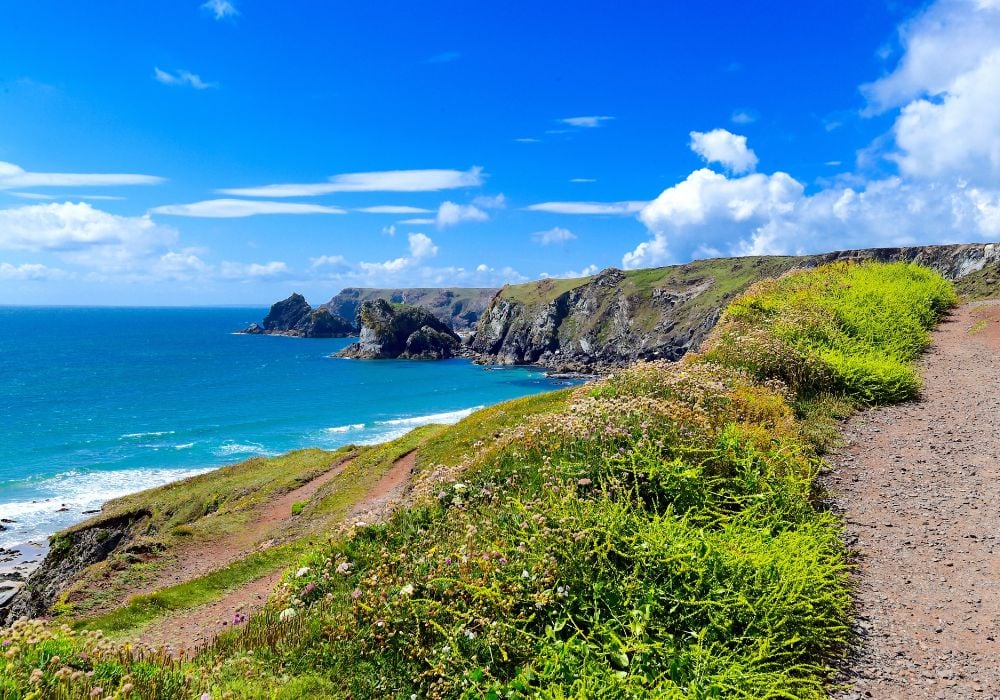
<point x="194" y="628"/>
<point x="919" y="487"/>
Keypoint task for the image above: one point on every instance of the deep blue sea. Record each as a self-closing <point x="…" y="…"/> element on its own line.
<point x="100" y="402"/>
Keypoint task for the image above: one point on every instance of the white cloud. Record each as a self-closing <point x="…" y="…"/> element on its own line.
<point x="572" y="274"/>
<point x="487" y="202"/>
<point x="451" y="214"/>
<point x="417" y="222"/>
<point x="585" y="122"/>
<point x="582" y="180"/>
<point x="553" y="235"/>
<point x="29" y="271"/>
<point x="181" y="78"/>
<point x="421" y="246"/>
<point x="527" y="139"/>
<point x="327" y="261"/>
<point x="248" y="272"/>
<point x="392" y="209"/>
<point x="220" y="9"/>
<point x="947" y="86"/>
<point x="12" y="176"/>
<point x="589" y="208"/>
<point x="710" y="214"/>
<point x="724" y="147"/>
<point x="239" y="208"/>
<point x="429" y="180"/>
<point x="743" y="116"/>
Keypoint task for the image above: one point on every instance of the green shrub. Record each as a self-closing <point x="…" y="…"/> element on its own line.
<point x="298" y="507"/>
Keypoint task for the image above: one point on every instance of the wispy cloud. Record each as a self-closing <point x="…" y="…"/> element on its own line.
<point x="393" y="209"/>
<point x="29" y="271"/>
<point x="220" y="9"/>
<point x="239" y="208"/>
<point x="48" y="197"/>
<point x="328" y="261"/>
<point x="553" y="235"/>
<point x="181" y="78"/>
<point x="527" y="139"/>
<point x="12" y="176"/>
<point x="582" y="180"/>
<point x="744" y="116"/>
<point x="585" y="122"/>
<point x="445" y="57"/>
<point x="585" y="208"/>
<point x="275" y="269"/>
<point x="429" y="180"/>
<point x="417" y="222"/>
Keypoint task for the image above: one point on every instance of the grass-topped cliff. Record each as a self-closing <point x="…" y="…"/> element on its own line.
<point x="653" y="534"/>
<point x="617" y="317"/>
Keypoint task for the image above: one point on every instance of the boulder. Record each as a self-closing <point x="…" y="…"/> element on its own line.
<point x="429" y="344"/>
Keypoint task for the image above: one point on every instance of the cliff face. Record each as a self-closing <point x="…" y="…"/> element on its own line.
<point x="293" y="316"/>
<point x="617" y="317"/>
<point x="459" y="308"/>
<point x="406" y="332"/>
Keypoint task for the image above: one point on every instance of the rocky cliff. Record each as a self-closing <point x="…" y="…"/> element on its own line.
<point x="404" y="332"/>
<point x="294" y="316"/>
<point x="457" y="307"/>
<point x="617" y="317"/>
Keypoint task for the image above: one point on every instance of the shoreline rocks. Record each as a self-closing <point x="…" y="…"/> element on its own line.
<point x="401" y="332"/>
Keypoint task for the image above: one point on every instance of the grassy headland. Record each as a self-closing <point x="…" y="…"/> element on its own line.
<point x="653" y="534"/>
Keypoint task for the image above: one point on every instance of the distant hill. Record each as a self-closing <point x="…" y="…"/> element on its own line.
<point x="458" y="307"/>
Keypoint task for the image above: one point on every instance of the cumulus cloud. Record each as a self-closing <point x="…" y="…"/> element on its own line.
<point x="589" y="208"/>
<point x="239" y="208"/>
<point x="947" y="88"/>
<point x="726" y="148"/>
<point x="29" y="272"/>
<point x="428" y="180"/>
<point x="711" y="214"/>
<point x="487" y="202"/>
<point x="585" y="122"/>
<point x="13" y="176"/>
<point x="421" y="246"/>
<point x="553" y="235"/>
<point x="220" y="9"/>
<point x="451" y="214"/>
<point x="182" y="78"/>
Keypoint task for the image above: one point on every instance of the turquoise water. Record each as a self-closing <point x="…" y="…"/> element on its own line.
<point x="97" y="402"/>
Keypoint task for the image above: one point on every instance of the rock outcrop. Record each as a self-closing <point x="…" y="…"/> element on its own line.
<point x="457" y="307"/>
<point x="404" y="332"/>
<point x="295" y="317"/>
<point x="617" y="317"/>
<point x="70" y="553"/>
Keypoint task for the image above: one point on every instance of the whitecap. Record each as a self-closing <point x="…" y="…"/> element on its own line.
<point x="151" y="433"/>
<point x="229" y="449"/>
<point x="185" y="446"/>
<point x="344" y="428"/>
<point x="447" y="418"/>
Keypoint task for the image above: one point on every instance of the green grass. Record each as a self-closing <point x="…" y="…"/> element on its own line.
<point x="653" y="534"/>
<point x="543" y="291"/>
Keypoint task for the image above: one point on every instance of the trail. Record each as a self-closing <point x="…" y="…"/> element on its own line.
<point x="193" y="628"/>
<point x="919" y="487"/>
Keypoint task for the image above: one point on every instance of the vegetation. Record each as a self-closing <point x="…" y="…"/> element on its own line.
<point x="982" y="284"/>
<point x="653" y="534"/>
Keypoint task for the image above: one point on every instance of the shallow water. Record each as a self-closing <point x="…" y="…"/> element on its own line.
<point x="98" y="402"/>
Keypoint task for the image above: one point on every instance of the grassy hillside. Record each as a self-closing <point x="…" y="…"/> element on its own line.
<point x="653" y="534"/>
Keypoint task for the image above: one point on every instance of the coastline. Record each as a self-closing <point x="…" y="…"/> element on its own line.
<point x="17" y="563"/>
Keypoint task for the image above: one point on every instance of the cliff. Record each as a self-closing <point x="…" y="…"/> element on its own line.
<point x="404" y="332"/>
<point x="617" y="317"/>
<point x="294" y="316"/>
<point x="457" y="307"/>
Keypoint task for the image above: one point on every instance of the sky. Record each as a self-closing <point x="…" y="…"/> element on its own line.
<point x="182" y="152"/>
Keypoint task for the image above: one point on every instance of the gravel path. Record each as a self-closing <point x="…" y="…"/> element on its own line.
<point x="919" y="487"/>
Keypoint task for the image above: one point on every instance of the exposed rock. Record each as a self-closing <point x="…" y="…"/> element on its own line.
<point x="616" y="317"/>
<point x="70" y="552"/>
<point x="457" y="307"/>
<point x="429" y="344"/>
<point x="293" y="316"/>
<point x="400" y="332"/>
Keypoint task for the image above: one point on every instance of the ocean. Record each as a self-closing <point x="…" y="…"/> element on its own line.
<point x="100" y="402"/>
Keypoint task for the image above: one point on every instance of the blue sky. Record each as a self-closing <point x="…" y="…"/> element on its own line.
<point x="175" y="152"/>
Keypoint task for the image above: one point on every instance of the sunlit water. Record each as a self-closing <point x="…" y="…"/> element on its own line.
<point x="96" y="402"/>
